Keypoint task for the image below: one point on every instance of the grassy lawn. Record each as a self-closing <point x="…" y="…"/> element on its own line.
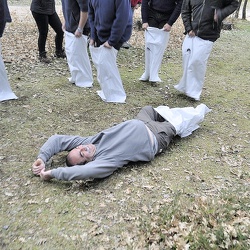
<point x="196" y="195"/>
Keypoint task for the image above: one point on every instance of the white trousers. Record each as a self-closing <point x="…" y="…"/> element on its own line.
<point x="108" y="74"/>
<point x="156" y="41"/>
<point x="5" y="89"/>
<point x="78" y="60"/>
<point x="195" y="54"/>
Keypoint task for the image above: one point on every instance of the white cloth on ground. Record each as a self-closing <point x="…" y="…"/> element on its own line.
<point x="5" y="90"/>
<point x="156" y="41"/>
<point x="78" y="60"/>
<point x="185" y="120"/>
<point x="195" y="54"/>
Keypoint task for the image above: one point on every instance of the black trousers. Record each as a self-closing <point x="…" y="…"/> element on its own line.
<point x="163" y="130"/>
<point x="43" y="21"/>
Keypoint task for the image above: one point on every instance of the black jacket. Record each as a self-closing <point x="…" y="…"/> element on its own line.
<point x="46" y="7"/>
<point x="198" y="15"/>
<point x="171" y="8"/>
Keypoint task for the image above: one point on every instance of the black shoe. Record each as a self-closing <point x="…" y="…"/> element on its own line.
<point x="126" y="45"/>
<point x="60" y="54"/>
<point x="43" y="57"/>
<point x="154" y="84"/>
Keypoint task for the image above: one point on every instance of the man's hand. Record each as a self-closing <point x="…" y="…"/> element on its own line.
<point x="144" y="26"/>
<point x="191" y="33"/>
<point x="137" y="6"/>
<point x="63" y="27"/>
<point x="91" y="42"/>
<point x="38" y="166"/>
<point x="46" y="175"/>
<point x="215" y="16"/>
<point x="78" y="32"/>
<point x="167" y="27"/>
<point x="106" y="45"/>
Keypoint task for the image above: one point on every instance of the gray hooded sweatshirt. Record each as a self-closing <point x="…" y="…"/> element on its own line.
<point x="115" y="147"/>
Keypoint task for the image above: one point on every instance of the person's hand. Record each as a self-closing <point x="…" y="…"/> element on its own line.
<point x="91" y="42"/>
<point x="106" y="44"/>
<point x="46" y="175"/>
<point x="167" y="27"/>
<point x="63" y="27"/>
<point x="144" y="26"/>
<point x="191" y="33"/>
<point x="78" y="32"/>
<point x="137" y="6"/>
<point x="215" y="16"/>
<point x="38" y="166"/>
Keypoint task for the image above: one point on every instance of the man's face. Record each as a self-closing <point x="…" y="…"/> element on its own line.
<point x="81" y="154"/>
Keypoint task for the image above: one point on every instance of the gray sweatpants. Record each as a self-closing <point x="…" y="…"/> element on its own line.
<point x="163" y="130"/>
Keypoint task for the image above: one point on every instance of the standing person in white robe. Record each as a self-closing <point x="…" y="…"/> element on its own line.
<point x="5" y="90"/>
<point x="76" y="29"/>
<point x="157" y="19"/>
<point x="202" y="20"/>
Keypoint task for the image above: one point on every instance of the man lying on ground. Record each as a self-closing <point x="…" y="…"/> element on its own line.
<point x="139" y="139"/>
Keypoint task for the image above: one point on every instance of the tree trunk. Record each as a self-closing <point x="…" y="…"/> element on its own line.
<point x="238" y="9"/>
<point x="244" y="10"/>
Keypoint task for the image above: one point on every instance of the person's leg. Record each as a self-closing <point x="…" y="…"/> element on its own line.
<point x="78" y="60"/>
<point x="163" y="130"/>
<point x="152" y="23"/>
<point x="5" y="89"/>
<point x="55" y="23"/>
<point x="42" y="25"/>
<point x="108" y="74"/>
<point x="118" y="46"/>
<point x="148" y="114"/>
<point x="195" y="54"/>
